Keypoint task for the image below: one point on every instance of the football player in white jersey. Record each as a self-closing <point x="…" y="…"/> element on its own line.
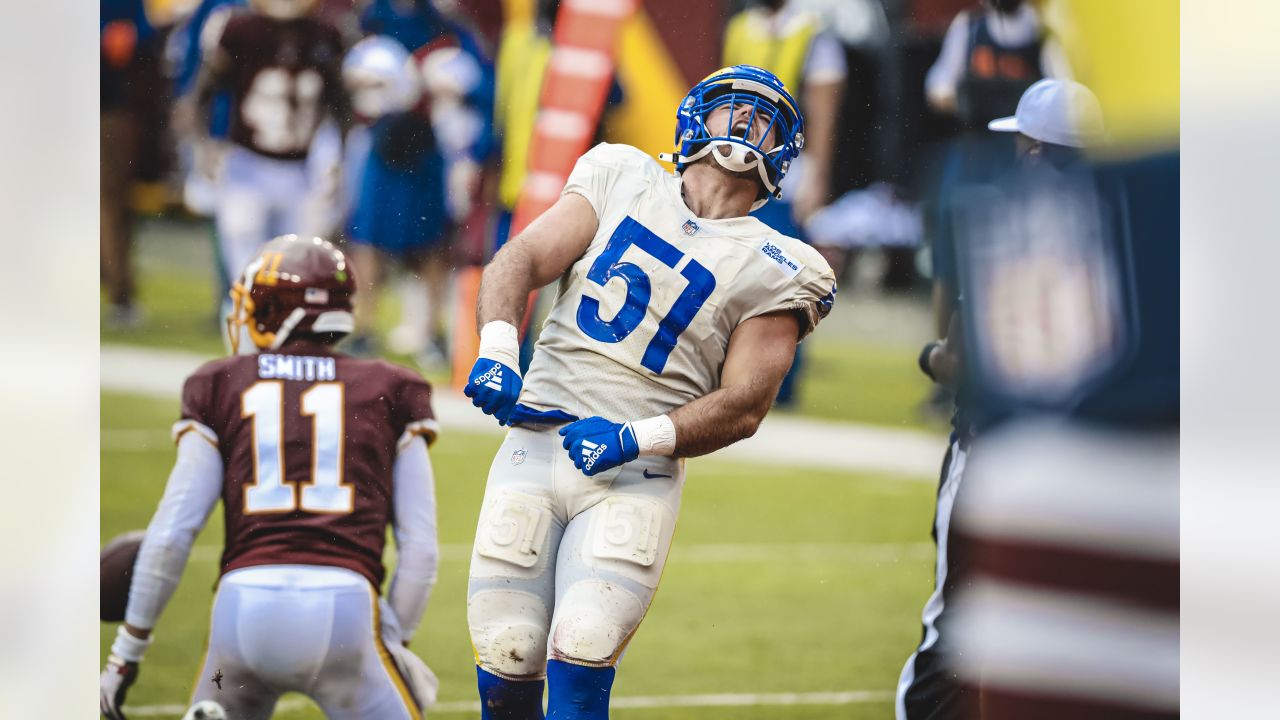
<point x="675" y="319"/>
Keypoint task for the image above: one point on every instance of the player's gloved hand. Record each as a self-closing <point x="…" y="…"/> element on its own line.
<point x="596" y="444"/>
<point x="523" y="414"/>
<point x="121" y="672"/>
<point x="494" y="388"/>
<point x="494" y="383"/>
<point x="115" y="681"/>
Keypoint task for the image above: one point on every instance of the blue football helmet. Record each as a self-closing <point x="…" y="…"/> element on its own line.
<point x="381" y="77"/>
<point x="763" y="92"/>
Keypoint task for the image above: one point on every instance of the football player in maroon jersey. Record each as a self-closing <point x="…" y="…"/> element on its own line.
<point x="313" y="455"/>
<point x="282" y="67"/>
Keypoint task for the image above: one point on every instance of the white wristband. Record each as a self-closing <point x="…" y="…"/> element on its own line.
<point x="500" y="341"/>
<point x="129" y="648"/>
<point x="655" y="436"/>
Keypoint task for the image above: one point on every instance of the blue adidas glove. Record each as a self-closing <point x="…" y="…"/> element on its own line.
<point x="494" y="388"/>
<point x="596" y="445"/>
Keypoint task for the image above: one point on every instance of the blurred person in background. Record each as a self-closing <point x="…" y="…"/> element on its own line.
<point x="989" y="57"/>
<point x="283" y="69"/>
<point x="420" y="178"/>
<point x="795" y="46"/>
<point x="123" y="30"/>
<point x="1055" y="121"/>
<point x="1069" y="512"/>
<point x="298" y="605"/>
<point x="196" y="35"/>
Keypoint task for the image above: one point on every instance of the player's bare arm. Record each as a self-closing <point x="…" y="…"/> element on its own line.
<point x="540" y="254"/>
<point x="759" y="355"/>
<point x="534" y="258"/>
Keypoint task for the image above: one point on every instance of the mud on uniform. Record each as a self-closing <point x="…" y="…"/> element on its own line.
<point x="566" y="565"/>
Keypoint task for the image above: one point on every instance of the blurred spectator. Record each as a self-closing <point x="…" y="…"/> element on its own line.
<point x="188" y="43"/>
<point x="1055" y="120"/>
<point x="420" y="180"/>
<point x="123" y="31"/>
<point x="795" y="46"/>
<point x="989" y="57"/>
<point x="1069" y="513"/>
<point x="282" y="67"/>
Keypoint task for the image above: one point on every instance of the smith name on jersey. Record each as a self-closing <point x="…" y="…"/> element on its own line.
<point x="308" y="440"/>
<point x="659" y="291"/>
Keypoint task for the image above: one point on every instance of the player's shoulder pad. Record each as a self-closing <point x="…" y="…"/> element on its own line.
<point x="385" y="368"/>
<point x="216" y="368"/>
<point x="621" y="157"/>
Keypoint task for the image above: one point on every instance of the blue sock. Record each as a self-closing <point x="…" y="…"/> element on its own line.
<point x="502" y="699"/>
<point x="578" y="692"/>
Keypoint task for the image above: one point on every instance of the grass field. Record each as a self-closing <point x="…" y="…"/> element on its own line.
<point x="782" y="580"/>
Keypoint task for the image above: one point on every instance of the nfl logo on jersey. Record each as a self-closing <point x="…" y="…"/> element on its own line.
<point x="518" y="456"/>
<point x="690" y="227"/>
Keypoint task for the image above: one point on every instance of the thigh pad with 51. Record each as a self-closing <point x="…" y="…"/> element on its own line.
<point x="512" y="539"/>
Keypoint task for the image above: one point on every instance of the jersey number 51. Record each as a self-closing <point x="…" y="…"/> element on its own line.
<point x="610" y="265"/>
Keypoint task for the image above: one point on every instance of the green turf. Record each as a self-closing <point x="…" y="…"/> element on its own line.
<point x="812" y="609"/>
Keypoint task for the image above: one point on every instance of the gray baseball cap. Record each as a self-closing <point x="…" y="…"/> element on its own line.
<point x="1062" y="112"/>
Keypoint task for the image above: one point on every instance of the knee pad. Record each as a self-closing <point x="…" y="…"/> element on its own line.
<point x="509" y="632"/>
<point x="593" y="621"/>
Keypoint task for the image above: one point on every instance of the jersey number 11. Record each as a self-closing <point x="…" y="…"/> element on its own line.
<point x="270" y="492"/>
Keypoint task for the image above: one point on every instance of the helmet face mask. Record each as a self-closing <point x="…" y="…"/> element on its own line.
<point x="294" y="286"/>
<point x="741" y="86"/>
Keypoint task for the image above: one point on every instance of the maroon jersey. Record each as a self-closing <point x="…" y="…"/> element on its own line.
<point x="308" y="439"/>
<point x="282" y="74"/>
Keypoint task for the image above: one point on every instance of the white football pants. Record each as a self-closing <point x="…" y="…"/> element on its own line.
<point x="566" y="565"/>
<point x="314" y="630"/>
<point x="259" y="198"/>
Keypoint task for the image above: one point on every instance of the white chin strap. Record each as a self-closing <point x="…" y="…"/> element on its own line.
<point x="740" y="158"/>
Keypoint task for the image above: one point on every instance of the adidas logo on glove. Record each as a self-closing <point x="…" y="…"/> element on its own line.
<point x="491" y="379"/>
<point x="591" y="453"/>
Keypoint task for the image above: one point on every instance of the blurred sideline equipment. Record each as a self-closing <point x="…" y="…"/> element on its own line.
<point x="313" y="454"/>
<point x="682" y="358"/>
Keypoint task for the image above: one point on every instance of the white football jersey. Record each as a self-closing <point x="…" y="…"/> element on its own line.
<point x="641" y="322"/>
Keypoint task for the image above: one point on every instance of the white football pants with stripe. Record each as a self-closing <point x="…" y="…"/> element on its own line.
<point x="314" y="630"/>
<point x="565" y="566"/>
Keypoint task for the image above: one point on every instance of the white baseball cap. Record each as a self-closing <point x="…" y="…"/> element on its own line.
<point x="1062" y="112"/>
